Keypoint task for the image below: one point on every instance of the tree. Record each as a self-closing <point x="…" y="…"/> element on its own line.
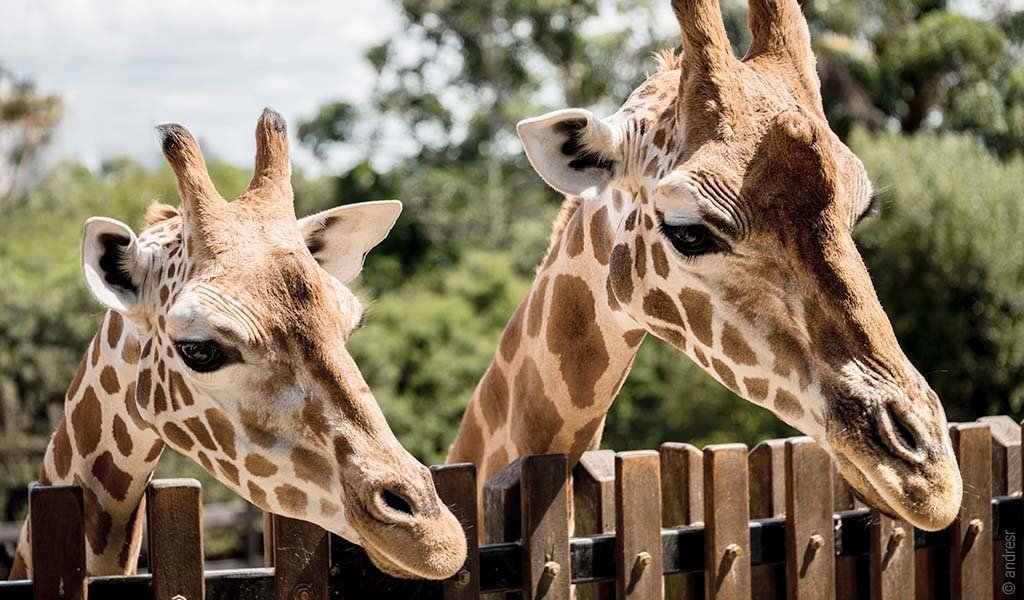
<point x="27" y="120"/>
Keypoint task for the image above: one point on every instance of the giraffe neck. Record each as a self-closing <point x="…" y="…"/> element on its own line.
<point x="104" y="446"/>
<point x="562" y="357"/>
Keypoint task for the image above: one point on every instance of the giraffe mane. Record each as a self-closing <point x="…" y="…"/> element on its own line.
<point x="569" y="206"/>
<point x="667" y="59"/>
<point x="158" y="212"/>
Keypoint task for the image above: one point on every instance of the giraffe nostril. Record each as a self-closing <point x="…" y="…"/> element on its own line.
<point x="904" y="433"/>
<point x="396" y="502"/>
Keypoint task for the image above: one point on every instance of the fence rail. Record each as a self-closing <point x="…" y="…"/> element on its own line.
<point x="680" y="522"/>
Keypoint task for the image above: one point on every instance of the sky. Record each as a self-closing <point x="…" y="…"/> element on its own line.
<point x="124" y="66"/>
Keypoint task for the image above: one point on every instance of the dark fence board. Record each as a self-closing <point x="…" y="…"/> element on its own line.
<point x="593" y="498"/>
<point x="174" y="521"/>
<point x="456" y="485"/>
<point x="682" y="503"/>
<point x="726" y="533"/>
<point x="1006" y="481"/>
<point x="891" y="558"/>
<point x="767" y="500"/>
<point x="638" y="552"/>
<point x="301" y="560"/>
<point x="970" y="554"/>
<point x="58" y="542"/>
<point x="810" y="537"/>
<point x="545" y="527"/>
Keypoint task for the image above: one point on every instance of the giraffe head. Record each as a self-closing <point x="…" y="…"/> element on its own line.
<point x="731" y="206"/>
<point x="243" y="316"/>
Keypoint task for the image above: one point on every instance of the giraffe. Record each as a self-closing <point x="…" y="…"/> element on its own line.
<point x="714" y="210"/>
<point x="225" y="340"/>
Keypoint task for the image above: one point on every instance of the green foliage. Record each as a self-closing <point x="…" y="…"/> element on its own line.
<point x="947" y="258"/>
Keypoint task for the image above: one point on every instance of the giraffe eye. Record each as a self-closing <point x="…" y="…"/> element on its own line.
<point x="202" y="356"/>
<point x="691" y="240"/>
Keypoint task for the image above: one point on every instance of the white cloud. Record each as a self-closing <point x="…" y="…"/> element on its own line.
<point x="125" y="66"/>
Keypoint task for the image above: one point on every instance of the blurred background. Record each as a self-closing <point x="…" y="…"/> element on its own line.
<point x="418" y="100"/>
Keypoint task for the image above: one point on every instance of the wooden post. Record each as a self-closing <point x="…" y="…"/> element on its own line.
<point x="891" y="555"/>
<point x="682" y="504"/>
<point x="456" y="485"/>
<point x="638" y="557"/>
<point x="970" y="556"/>
<point x="767" y="500"/>
<point x="810" y="533"/>
<point x="268" y="539"/>
<point x="301" y="560"/>
<point x="593" y="497"/>
<point x="174" y="519"/>
<point x="58" y="542"/>
<point x="545" y="526"/>
<point x="853" y="577"/>
<point x="1006" y="481"/>
<point x="727" y="533"/>
<point x="501" y="504"/>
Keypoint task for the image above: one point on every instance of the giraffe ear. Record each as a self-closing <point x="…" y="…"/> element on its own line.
<point x="571" y="149"/>
<point x="111" y="263"/>
<point x="340" y="238"/>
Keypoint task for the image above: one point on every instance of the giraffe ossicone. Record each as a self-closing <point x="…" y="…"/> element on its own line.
<point x="715" y="210"/>
<point x="225" y="339"/>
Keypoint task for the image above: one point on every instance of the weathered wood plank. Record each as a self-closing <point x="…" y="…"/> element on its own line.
<point x="456" y="485"/>
<point x="727" y="513"/>
<point x="891" y="558"/>
<point x="1006" y="481"/>
<point x="58" y="542"/>
<point x="301" y="560"/>
<point x="768" y="499"/>
<point x="970" y="554"/>
<point x="174" y="522"/>
<point x="593" y="498"/>
<point x="682" y="503"/>
<point x="545" y="527"/>
<point x="810" y="537"/>
<point x="638" y="552"/>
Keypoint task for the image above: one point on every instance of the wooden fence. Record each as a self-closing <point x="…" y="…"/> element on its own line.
<point x="680" y="522"/>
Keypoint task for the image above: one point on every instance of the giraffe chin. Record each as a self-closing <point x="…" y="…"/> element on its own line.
<point x="934" y="512"/>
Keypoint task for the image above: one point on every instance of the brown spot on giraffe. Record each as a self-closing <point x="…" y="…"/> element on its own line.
<point x="697" y="305"/>
<point x="701" y="358"/>
<point x="179" y="390"/>
<point x="108" y="380"/>
<point x="468" y="442"/>
<point x="315" y="421"/>
<point x="574" y="234"/>
<point x="200" y="432"/>
<point x="62" y="450"/>
<point x="85" y="421"/>
<point x="757" y="388"/>
<point x="207" y="463"/>
<point x="259" y="466"/>
<point x="122" y="438"/>
<point x="328" y="509"/>
<point x="110" y="476"/>
<point x="164" y="294"/>
<point x="177" y="436"/>
<point x="788" y="405"/>
<point x="257" y="495"/>
<point x="77" y="381"/>
<point x="494" y="397"/>
<point x="155" y="451"/>
<point x="115" y="327"/>
<point x="98" y="521"/>
<point x="229" y="470"/>
<point x="535" y="419"/>
<point x="584" y="438"/>
<point x="536" y="313"/>
<point x="789" y="356"/>
<point x="574" y="336"/>
<point x="291" y="498"/>
<point x="640" y="264"/>
<point x="143" y="390"/>
<point x="130" y="351"/>
<point x="513" y="332"/>
<point x="159" y="398"/>
<point x="621" y="273"/>
<point x="659" y="259"/>
<point x="497" y="460"/>
<point x="736" y="347"/>
<point x="312" y="467"/>
<point x="633" y="337"/>
<point x="133" y="537"/>
<point x="660" y="305"/>
<point x="222" y="429"/>
<point x="670" y="335"/>
<point x="601" y="235"/>
<point x="725" y="374"/>
<point x="94" y="355"/>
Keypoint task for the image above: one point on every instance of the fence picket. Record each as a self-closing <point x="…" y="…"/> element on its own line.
<point x="58" y="542"/>
<point x="810" y="534"/>
<point x="456" y="485"/>
<point x="593" y="497"/>
<point x="638" y="554"/>
<point x="768" y="499"/>
<point x="970" y="553"/>
<point x="301" y="560"/>
<point x="726" y="533"/>
<point x="682" y="503"/>
<point x="1006" y="481"/>
<point x="892" y="558"/>
<point x="174" y="519"/>
<point x="545" y="527"/>
<point x="853" y="578"/>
